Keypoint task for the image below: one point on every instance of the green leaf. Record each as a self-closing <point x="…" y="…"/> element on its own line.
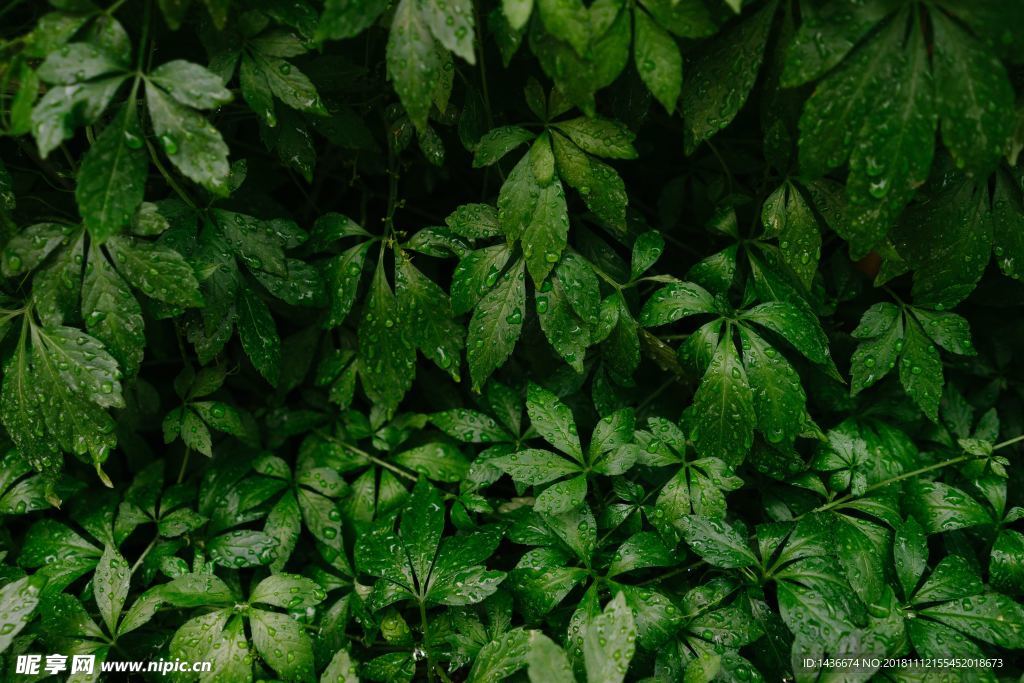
<point x="470" y="426"/>
<point x="921" y="370"/>
<point x="386" y="357"/>
<point x="452" y="25"/>
<point x="787" y="216"/>
<point x="500" y="658"/>
<point x="343" y="19"/>
<point x="876" y="356"/>
<point x="974" y="97"/>
<point x="283" y="644"/>
<point x="947" y="241"/>
<point x="18" y="599"/>
<point x="159" y="271"/>
<point x="342" y="274"/>
<point x="496" y="325"/>
<point x="22" y="416"/>
<point x="517" y="12"/>
<point x="600" y="137"/>
<point x="421" y="527"/>
<point x="893" y="152"/>
<point x="647" y="249"/>
<point x="567" y="19"/>
<point x="546" y="661"/>
<point x="242" y="549"/>
<point x="948" y="330"/>
<point x="724" y="418"/>
<point x="65" y="107"/>
<point x="827" y="34"/>
<point x="544" y="236"/>
<point x="498" y="142"/>
<point x="111" y="179"/>
<point x="640" y="551"/>
<point x="797" y="326"/>
<point x="991" y="618"/>
<point x="534" y="466"/>
<point x="30" y="247"/>
<point x="775" y="386"/>
<point x="952" y="578"/>
<point x="414" y="63"/>
<point x="220" y="416"/>
<point x="81" y="362"/>
<point x="476" y="275"/>
<point x="835" y="112"/>
<point x="553" y="420"/>
<point x="258" y="243"/>
<point x="567" y="333"/>
<point x="428" y="309"/>
<point x="284" y="522"/>
<point x="817" y="603"/>
<point x="287" y="83"/>
<point x="1006" y="563"/>
<point x="608" y="643"/>
<point x="190" y="142"/>
<point x="110" y="586"/>
<point x="658" y="60"/>
<point x="941" y="507"/>
<point x="77" y="62"/>
<point x="716" y="541"/>
<point x="341" y="669"/>
<point x="723" y="72"/>
<point x="190" y="84"/>
<point x="561" y="496"/>
<point x="195" y="433"/>
<point x="437" y="461"/>
<point x="258" y="333"/>
<point x="287" y="591"/>
<point x="910" y="554"/>
<point x="474" y="221"/>
<point x="674" y="302"/>
<point x="1008" y="228"/>
<point x="111" y="313"/>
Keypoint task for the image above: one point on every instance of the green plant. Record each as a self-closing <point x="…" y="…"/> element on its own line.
<point x="552" y="341"/>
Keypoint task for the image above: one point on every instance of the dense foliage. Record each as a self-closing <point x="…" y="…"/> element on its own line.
<point x="538" y="340"/>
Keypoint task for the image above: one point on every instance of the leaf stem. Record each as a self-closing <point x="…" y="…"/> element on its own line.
<point x="167" y="176"/>
<point x="184" y="464"/>
<point x="892" y="480"/>
<point x="372" y="458"/>
<point x="425" y="634"/>
<point x="1008" y="442"/>
<point x="138" y="562"/>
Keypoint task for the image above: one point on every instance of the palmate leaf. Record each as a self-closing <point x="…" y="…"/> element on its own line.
<point x="265" y="75"/>
<point x="787" y="215"/>
<point x="890" y="148"/>
<point x="429" y="569"/>
<point x="909" y="334"/>
<point x="57" y="387"/>
<point x="582" y="49"/>
<point x="736" y="392"/>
